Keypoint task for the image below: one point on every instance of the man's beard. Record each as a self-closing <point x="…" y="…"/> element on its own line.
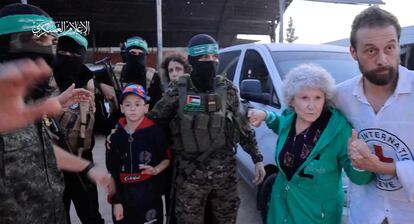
<point x="378" y="77"/>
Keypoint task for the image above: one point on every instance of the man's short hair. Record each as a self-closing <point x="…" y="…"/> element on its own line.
<point x="373" y="17"/>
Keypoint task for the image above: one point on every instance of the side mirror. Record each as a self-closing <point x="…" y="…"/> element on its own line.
<point x="251" y="90"/>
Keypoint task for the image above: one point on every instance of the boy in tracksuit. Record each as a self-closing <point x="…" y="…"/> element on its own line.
<point x="137" y="153"/>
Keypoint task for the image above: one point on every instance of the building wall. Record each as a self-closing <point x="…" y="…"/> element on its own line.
<point x="116" y="56"/>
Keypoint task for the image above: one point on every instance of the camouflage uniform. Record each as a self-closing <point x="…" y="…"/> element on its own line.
<point x="31" y="186"/>
<point x="212" y="179"/>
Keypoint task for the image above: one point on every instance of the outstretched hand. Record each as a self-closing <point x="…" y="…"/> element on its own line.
<point x="256" y="117"/>
<point x="102" y="178"/>
<point x="16" y="79"/>
<point x="71" y="96"/>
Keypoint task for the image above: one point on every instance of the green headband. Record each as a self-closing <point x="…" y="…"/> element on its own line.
<point x="81" y="40"/>
<point x="203" y="49"/>
<point x="138" y="42"/>
<point x="37" y="24"/>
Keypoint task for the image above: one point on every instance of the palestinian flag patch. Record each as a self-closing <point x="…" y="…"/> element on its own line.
<point x="194" y="100"/>
<point x="194" y="104"/>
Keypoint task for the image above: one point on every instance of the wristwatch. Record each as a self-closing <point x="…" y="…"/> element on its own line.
<point x="88" y="167"/>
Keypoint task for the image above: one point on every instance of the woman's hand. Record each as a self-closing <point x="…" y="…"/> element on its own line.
<point x="256" y="117"/>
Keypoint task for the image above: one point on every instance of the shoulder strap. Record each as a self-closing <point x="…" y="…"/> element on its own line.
<point x="118" y="68"/>
<point x="86" y="110"/>
<point x="149" y="75"/>
<point x="235" y="115"/>
<point x="182" y="91"/>
<point x="223" y="91"/>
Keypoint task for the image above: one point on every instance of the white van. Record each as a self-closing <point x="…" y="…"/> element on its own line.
<point x="257" y="70"/>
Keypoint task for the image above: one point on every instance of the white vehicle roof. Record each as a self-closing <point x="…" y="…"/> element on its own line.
<point x="289" y="47"/>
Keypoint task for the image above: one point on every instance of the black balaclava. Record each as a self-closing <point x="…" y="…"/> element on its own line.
<point x="19" y="45"/>
<point x="68" y="69"/>
<point x="203" y="72"/>
<point x="135" y="69"/>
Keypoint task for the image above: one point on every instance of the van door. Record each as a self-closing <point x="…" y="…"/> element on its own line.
<point x="254" y="67"/>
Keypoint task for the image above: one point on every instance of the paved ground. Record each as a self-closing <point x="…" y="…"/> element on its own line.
<point x="247" y="213"/>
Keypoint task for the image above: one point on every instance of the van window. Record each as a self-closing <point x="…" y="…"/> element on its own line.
<point x="410" y="59"/>
<point x="340" y="65"/>
<point x="254" y="68"/>
<point x="228" y="63"/>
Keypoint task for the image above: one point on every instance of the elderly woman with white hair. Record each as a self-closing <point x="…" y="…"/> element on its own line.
<point x="311" y="150"/>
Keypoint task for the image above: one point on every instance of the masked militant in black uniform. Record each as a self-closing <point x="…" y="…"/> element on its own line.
<point x="135" y="70"/>
<point x="76" y="123"/>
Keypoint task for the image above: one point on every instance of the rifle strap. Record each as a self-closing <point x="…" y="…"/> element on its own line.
<point x="149" y="76"/>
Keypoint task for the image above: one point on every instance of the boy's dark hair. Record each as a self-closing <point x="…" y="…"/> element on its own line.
<point x="373" y="17"/>
<point x="177" y="57"/>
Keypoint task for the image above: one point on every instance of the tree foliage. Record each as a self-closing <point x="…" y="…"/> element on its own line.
<point x="290" y="32"/>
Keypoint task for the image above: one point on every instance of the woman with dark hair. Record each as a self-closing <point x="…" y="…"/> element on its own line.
<point x="174" y="66"/>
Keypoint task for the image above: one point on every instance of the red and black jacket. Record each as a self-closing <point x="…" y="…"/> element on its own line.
<point x="147" y="145"/>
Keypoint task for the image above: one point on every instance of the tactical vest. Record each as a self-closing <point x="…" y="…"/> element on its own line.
<point x="77" y="123"/>
<point x="201" y="119"/>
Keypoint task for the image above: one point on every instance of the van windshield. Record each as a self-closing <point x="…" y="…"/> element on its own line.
<point x="341" y="65"/>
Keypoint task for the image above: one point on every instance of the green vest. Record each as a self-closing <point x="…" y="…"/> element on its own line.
<point x="201" y="122"/>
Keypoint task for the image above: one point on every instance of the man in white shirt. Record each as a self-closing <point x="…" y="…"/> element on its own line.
<point x="380" y="106"/>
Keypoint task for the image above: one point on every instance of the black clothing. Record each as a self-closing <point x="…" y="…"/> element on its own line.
<point x="154" y="91"/>
<point x="139" y="194"/>
<point x="203" y="72"/>
<point x="65" y="75"/>
<point x="79" y="189"/>
<point x="67" y="43"/>
<point x="134" y="70"/>
<point x="70" y="69"/>
<point x="84" y="196"/>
